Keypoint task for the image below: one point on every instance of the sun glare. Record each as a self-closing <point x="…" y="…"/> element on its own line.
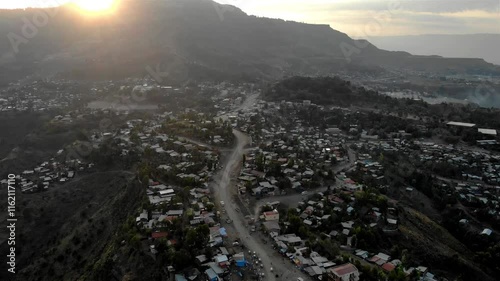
<point x="94" y="5"/>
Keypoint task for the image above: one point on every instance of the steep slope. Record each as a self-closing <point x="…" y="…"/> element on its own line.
<point x="64" y="231"/>
<point x="200" y="37"/>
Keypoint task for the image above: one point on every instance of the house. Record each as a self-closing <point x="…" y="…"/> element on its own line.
<point x="212" y="276"/>
<point x="345" y="272"/>
<point x="487" y="232"/>
<point x="166" y="193"/>
<point x="143" y="217"/>
<point x="273" y="215"/>
<point x="318" y="260"/>
<point x="272" y="226"/>
<point x="216" y="268"/>
<point x="240" y="259"/>
<point x="222" y="260"/>
<point x="302" y="261"/>
<point x="383" y="256"/>
<point x="314" y="270"/>
<point x="201" y="259"/>
<point x="362" y="254"/>
<point x="192" y="274"/>
<point x="388" y="267"/>
<point x="290" y="239"/>
<point x="175" y="213"/>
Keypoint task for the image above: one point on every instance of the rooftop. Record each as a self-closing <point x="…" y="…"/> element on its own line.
<point x="344" y="269"/>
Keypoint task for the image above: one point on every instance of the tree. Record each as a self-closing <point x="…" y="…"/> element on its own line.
<point x="197" y="238"/>
<point x="260" y="162"/>
<point x="182" y="259"/>
<point x="397" y="274"/>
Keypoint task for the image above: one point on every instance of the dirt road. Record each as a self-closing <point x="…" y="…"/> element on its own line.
<point x="225" y="191"/>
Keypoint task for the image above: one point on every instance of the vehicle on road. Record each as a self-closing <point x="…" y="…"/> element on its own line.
<point x="253" y="229"/>
<point x="222" y="203"/>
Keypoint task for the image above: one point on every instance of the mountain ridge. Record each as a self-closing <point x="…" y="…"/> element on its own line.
<point x="197" y="39"/>
<point x="479" y="45"/>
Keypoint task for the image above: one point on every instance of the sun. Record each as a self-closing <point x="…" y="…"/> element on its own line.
<point x="94" y="5"/>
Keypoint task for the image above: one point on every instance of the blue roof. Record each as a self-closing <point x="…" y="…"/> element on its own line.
<point x="241" y="263"/>
<point x="222" y="231"/>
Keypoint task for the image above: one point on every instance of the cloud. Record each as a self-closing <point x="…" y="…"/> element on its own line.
<point x="434" y="6"/>
<point x="398" y="17"/>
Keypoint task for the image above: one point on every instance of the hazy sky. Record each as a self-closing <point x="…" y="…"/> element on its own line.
<point x="366" y="18"/>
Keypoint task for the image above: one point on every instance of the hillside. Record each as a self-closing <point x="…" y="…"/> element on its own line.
<point x="190" y="38"/>
<point x="65" y="230"/>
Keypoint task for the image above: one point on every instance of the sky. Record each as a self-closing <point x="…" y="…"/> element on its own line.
<point x="365" y="18"/>
<point x="368" y="18"/>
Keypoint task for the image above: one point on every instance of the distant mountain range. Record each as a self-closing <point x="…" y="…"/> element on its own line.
<point x="485" y="46"/>
<point x="196" y="39"/>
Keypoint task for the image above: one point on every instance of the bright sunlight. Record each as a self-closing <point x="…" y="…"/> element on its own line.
<point x="95" y="5"/>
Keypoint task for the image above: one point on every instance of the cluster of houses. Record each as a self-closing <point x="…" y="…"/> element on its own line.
<point x="201" y="126"/>
<point x="477" y="183"/>
<point x="39" y="95"/>
<point x="479" y="196"/>
<point x="299" y="160"/>
<point x="316" y="265"/>
<point x="387" y="264"/>
<point x="217" y="268"/>
<point x="485" y="164"/>
<point x="477" y="190"/>
<point x="199" y="211"/>
<point x="48" y="174"/>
